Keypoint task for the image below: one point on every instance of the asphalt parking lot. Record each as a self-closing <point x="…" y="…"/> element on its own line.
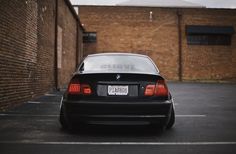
<point x="205" y="123"/>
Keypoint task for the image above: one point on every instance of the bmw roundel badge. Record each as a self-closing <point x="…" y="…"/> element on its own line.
<point x="117" y="76"/>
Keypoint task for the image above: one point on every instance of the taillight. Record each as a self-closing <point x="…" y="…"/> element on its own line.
<point x="74" y="88"/>
<point x="159" y="89"/>
<point x="149" y="91"/>
<point x="77" y="88"/>
<point x="86" y="90"/>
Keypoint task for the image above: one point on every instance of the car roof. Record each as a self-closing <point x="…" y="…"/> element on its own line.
<point x="118" y="54"/>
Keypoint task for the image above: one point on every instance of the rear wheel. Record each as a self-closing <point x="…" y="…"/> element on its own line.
<point x="172" y="119"/>
<point x="64" y="123"/>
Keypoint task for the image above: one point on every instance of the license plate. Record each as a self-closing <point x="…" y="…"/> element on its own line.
<point x="118" y="90"/>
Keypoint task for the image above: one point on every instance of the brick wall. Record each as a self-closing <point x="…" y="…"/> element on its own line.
<point x="129" y="29"/>
<point x="207" y="62"/>
<point x="27" y="48"/>
<point x="68" y="25"/>
<point x="80" y="45"/>
<point x="44" y="79"/>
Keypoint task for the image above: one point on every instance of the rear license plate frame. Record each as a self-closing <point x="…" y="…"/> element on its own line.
<point x="118" y="90"/>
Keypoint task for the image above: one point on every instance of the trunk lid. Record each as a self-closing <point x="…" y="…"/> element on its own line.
<point x="115" y="86"/>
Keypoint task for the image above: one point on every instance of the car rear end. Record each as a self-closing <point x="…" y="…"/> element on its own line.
<point x="117" y="97"/>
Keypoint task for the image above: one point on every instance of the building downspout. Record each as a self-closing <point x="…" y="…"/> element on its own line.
<point x="180" y="71"/>
<point x="77" y="45"/>
<point x="55" y="47"/>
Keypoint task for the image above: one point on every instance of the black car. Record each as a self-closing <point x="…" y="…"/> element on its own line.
<point x="117" y="88"/>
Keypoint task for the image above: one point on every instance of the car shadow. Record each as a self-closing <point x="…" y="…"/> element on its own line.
<point x="117" y="131"/>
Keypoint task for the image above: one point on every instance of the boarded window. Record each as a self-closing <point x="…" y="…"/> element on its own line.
<point x="90" y="37"/>
<point x="209" y="35"/>
<point x="209" y="39"/>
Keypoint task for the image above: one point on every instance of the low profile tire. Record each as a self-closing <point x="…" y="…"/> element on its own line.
<point x="172" y="119"/>
<point x="62" y="119"/>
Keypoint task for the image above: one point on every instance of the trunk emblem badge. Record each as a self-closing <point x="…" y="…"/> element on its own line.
<point x="117" y="76"/>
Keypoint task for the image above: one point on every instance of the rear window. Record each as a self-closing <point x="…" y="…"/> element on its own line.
<point x="117" y="64"/>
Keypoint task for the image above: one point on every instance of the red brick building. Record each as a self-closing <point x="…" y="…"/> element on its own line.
<point x="40" y="47"/>
<point x="186" y="43"/>
<point x="41" y="42"/>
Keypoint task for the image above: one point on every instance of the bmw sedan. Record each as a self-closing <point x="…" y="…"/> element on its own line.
<point x="117" y="89"/>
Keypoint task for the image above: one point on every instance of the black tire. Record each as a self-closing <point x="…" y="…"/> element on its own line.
<point x="62" y="119"/>
<point x="172" y="119"/>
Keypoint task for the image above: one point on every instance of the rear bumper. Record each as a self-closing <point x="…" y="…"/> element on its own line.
<point x="127" y="113"/>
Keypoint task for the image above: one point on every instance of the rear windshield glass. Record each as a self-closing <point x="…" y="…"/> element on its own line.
<point x="118" y="64"/>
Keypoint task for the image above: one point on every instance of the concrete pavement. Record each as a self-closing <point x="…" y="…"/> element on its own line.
<point x="205" y="123"/>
